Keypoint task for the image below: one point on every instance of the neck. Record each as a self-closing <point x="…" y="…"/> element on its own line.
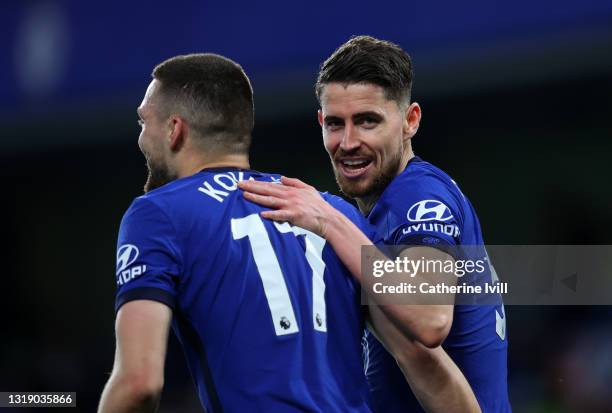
<point x="217" y="161"/>
<point x="367" y="202"/>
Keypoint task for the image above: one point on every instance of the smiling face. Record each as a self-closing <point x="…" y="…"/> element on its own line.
<point x="151" y="141"/>
<point x="366" y="135"/>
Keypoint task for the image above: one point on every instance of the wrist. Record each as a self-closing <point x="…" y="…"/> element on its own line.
<point x="334" y="222"/>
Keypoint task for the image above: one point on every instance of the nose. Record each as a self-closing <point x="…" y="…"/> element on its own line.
<point x="350" y="139"/>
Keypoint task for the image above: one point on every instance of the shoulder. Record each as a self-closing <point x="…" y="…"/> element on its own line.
<point x="343" y="206"/>
<point x="423" y="178"/>
<point x="185" y="196"/>
<point x="338" y="202"/>
<point x="422" y="201"/>
<point x="149" y="214"/>
<point x="142" y="207"/>
<point x="145" y="222"/>
<point x="351" y="212"/>
<point x="421" y="187"/>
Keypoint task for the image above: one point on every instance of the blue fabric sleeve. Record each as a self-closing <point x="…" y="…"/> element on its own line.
<point x="427" y="214"/>
<point x="148" y="256"/>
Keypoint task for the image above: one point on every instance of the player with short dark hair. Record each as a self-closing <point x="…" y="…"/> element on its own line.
<point x="364" y="59"/>
<point x="192" y="83"/>
<point x="263" y="325"/>
<point x="368" y="122"/>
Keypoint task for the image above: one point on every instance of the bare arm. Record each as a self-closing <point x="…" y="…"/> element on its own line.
<point x="434" y="378"/>
<point x="137" y="379"/>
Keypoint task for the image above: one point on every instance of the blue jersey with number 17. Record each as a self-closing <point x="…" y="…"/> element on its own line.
<point x="269" y="319"/>
<point x="424" y="206"/>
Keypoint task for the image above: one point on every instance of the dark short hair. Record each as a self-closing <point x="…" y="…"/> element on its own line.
<point x="213" y="94"/>
<point x="365" y="59"/>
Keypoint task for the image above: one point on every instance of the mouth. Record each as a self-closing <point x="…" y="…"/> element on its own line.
<point x="353" y="168"/>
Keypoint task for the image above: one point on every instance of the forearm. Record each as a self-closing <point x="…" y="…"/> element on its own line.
<point x="347" y="240"/>
<point x="434" y="378"/>
<point x="437" y="382"/>
<point x="427" y="323"/>
<point x="122" y="395"/>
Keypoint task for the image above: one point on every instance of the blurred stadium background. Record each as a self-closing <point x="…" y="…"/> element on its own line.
<point x="517" y="108"/>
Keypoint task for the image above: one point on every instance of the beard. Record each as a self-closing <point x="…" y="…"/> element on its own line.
<point x="158" y="175"/>
<point x="376" y="186"/>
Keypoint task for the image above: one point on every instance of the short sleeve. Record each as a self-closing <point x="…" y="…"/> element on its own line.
<point x="429" y="214"/>
<point x="148" y="257"/>
<point x="428" y="222"/>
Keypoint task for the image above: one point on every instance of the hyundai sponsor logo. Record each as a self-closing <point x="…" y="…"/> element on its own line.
<point x="126" y="255"/>
<point x="429" y="210"/>
<point x="447" y="229"/>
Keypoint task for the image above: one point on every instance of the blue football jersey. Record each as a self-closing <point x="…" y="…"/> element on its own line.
<point x="424" y="206"/>
<point x="268" y="317"/>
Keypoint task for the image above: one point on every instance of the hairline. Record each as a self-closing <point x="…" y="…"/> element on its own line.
<point x="401" y="103"/>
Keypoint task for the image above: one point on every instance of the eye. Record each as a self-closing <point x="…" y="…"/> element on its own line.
<point x="369" y="122"/>
<point x="333" y="124"/>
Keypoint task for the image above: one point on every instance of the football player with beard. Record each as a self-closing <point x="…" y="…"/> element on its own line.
<point x="368" y="121"/>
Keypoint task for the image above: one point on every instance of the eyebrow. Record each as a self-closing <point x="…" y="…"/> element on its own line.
<point x="367" y="114"/>
<point x="331" y="118"/>
<point x="356" y="116"/>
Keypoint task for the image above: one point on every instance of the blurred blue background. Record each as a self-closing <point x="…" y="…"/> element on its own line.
<point x="517" y="108"/>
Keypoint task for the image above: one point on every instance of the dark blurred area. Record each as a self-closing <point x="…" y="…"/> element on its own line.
<point x="516" y="105"/>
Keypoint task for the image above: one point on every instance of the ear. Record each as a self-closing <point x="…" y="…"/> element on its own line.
<point x="412" y="120"/>
<point x="320" y="117"/>
<point x="178" y="132"/>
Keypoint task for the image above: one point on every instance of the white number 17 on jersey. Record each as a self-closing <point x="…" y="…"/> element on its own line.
<point x="275" y="288"/>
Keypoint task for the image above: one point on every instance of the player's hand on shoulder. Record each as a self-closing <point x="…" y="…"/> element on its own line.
<point x="294" y="201"/>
